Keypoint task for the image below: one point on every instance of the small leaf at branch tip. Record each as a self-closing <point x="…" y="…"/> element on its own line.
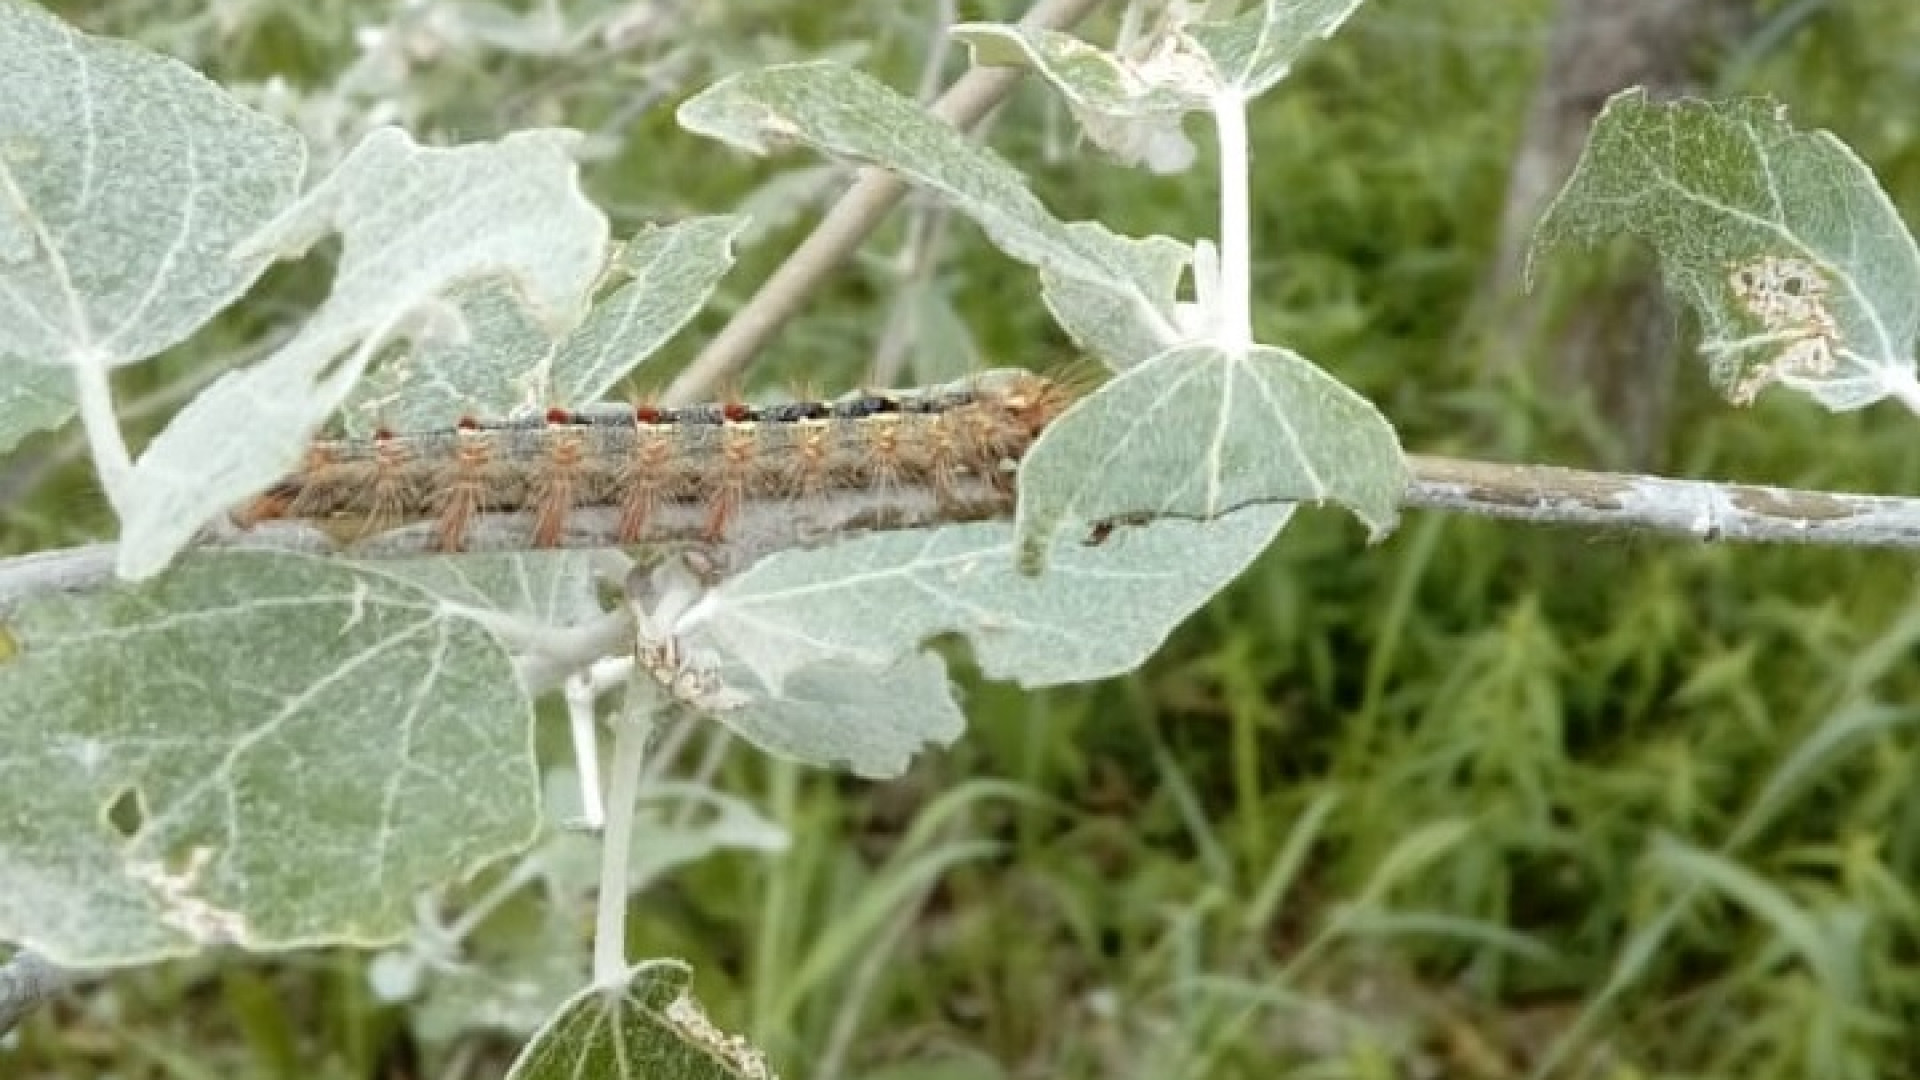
<point x="641" y="1026"/>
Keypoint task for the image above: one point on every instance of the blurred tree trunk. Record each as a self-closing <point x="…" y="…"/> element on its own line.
<point x="1616" y="345"/>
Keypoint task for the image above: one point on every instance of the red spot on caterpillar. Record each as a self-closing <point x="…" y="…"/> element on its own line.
<point x="646" y="414"/>
<point x="467" y="423"/>
<point x="559" y="416"/>
<point x="736" y="412"/>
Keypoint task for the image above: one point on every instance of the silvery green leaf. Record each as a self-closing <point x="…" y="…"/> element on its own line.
<point x="126" y="182"/>
<point x="260" y="750"/>
<point x="1165" y="82"/>
<point x="1181" y="68"/>
<point x="868" y="720"/>
<point x="1798" y="264"/>
<point x="675" y="823"/>
<point x="646" y="1028"/>
<point x="1199" y="432"/>
<point x="511" y="981"/>
<point x="1250" y="53"/>
<point x="1159" y="144"/>
<point x="554" y="587"/>
<point x="940" y="345"/>
<point x="461" y="358"/>
<point x="1116" y="328"/>
<point x="33" y="397"/>
<point x="497" y="360"/>
<point x="671" y="272"/>
<point x="1131" y="106"/>
<point x="868" y="601"/>
<point x="414" y="222"/>
<point x="679" y="823"/>
<point x="843" y="112"/>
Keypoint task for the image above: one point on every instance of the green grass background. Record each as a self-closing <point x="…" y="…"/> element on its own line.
<point x="1487" y="800"/>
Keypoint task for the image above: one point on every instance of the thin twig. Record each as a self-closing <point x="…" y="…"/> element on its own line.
<point x="28" y="980"/>
<point x="849" y="223"/>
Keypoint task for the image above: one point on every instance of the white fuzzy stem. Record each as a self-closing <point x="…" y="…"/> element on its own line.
<point x="1233" y="319"/>
<point x="630" y="737"/>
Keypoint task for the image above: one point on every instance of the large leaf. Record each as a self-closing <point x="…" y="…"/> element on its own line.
<point x="868" y="601"/>
<point x="1799" y="266"/>
<point x="262" y="750"/>
<point x="413" y="221"/>
<point x="838" y="110"/>
<point x="1200" y="432"/>
<point x="126" y="182"/>
<point x="503" y="361"/>
<point x="646" y="1028"/>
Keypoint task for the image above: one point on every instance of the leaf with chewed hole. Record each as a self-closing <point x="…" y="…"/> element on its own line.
<point x="1198" y="433"/>
<point x="1798" y="264"/>
<point x="500" y="362"/>
<point x="291" y="749"/>
<point x="414" y="222"/>
<point x="1101" y="610"/>
<point x="126" y="181"/>
<point x="840" y="111"/>
<point x="648" y="1027"/>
